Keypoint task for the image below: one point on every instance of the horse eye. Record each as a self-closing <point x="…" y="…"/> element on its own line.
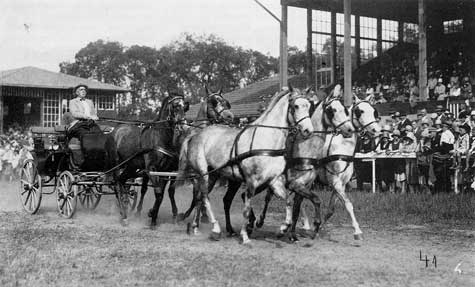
<point x="296" y="107"/>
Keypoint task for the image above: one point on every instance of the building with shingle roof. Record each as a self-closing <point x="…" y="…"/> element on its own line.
<point x="31" y="96"/>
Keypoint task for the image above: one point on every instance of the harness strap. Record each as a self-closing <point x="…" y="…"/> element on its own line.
<point x="319" y="162"/>
<point x="255" y="152"/>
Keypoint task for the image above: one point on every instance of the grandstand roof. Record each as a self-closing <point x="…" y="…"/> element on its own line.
<point x="39" y="78"/>
<point x="403" y="10"/>
<point x="246" y="101"/>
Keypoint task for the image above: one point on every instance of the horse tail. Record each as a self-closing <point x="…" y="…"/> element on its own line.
<point x="183" y="162"/>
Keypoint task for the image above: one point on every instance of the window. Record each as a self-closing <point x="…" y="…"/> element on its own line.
<point x="51" y="106"/>
<point x="453" y="26"/>
<point x="340" y="24"/>
<point x="368" y="50"/>
<point x="322" y="61"/>
<point x="368" y="27"/>
<point x="411" y="32"/>
<point x="340" y="53"/>
<point x="105" y="102"/>
<point x="322" y="21"/>
<point x="389" y="30"/>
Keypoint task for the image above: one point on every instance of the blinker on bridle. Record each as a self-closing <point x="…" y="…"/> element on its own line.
<point x="325" y="108"/>
<point x="357" y="113"/>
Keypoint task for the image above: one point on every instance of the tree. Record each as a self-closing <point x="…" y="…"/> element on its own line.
<point x="103" y="61"/>
<point x="297" y="61"/>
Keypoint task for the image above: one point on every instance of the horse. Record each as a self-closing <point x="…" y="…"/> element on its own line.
<point x="335" y="169"/>
<point x="235" y="154"/>
<point x="336" y="117"/>
<point x="214" y="109"/>
<point x="329" y="118"/>
<point x="152" y="148"/>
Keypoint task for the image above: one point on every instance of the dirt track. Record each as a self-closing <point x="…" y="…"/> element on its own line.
<point x="93" y="249"/>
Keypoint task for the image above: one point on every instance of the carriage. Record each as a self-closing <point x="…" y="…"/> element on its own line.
<point x="51" y="167"/>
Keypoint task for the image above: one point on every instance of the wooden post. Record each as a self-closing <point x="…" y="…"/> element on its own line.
<point x="1" y="109"/>
<point x="347" y="54"/>
<point x="379" y="36"/>
<point x="400" y="32"/>
<point x="310" y="78"/>
<point x="333" y="55"/>
<point x="422" y="52"/>
<point x="357" y="41"/>
<point x="283" y="71"/>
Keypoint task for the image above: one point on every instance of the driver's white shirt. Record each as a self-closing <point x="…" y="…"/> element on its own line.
<point x="87" y="109"/>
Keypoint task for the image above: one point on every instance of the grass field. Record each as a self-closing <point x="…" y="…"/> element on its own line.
<point x="93" y="249"/>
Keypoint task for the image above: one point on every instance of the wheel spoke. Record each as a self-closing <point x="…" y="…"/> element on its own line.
<point x="27" y="199"/>
<point x="70" y="207"/>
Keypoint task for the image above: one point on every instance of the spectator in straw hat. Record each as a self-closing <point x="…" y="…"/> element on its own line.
<point x="447" y="138"/>
<point x="462" y="145"/>
<point x="439" y="110"/>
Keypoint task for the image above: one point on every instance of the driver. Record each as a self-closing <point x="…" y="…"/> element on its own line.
<point x="83" y="115"/>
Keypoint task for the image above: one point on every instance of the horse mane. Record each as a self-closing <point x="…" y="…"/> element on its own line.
<point x="275" y="99"/>
<point x="162" y="114"/>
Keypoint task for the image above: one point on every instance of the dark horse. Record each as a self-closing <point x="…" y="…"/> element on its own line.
<point x="214" y="109"/>
<point x="151" y="148"/>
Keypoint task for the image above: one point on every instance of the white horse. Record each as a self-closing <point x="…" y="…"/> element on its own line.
<point x="254" y="155"/>
<point x="337" y="167"/>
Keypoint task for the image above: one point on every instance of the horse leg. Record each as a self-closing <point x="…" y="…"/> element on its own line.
<point x="297" y="204"/>
<point x="158" y="188"/>
<point x="340" y="189"/>
<point x="211" y="182"/>
<point x="183" y="216"/>
<point x="262" y="217"/>
<point x="143" y="191"/>
<point x="171" y="195"/>
<point x="233" y="187"/>
<point x="246" y="212"/>
<point x="317" y="218"/>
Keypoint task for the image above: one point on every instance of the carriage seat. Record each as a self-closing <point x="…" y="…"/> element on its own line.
<point x="60" y="128"/>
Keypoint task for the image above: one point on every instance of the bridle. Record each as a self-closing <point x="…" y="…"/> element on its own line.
<point x="171" y="113"/>
<point x="356" y="111"/>
<point x="291" y="110"/>
<point x="219" y="98"/>
<point x="329" y="114"/>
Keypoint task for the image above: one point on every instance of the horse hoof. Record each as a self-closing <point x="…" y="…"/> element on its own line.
<point x="124" y="222"/>
<point x="181" y="217"/>
<point x="188" y="228"/>
<point x="280" y="234"/>
<point x="246" y="242"/>
<point x="153" y="226"/>
<point x="232" y="233"/>
<point x="293" y="238"/>
<point x="150" y="213"/>
<point x="358" y="236"/>
<point x="215" y="236"/>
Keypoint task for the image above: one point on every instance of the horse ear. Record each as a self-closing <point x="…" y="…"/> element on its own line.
<point x="220" y="91"/>
<point x="336" y="91"/>
<point x="291" y="89"/>
<point x="356" y="99"/>
<point x="307" y="90"/>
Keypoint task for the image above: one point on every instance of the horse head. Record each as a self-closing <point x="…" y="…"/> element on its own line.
<point x="218" y="108"/>
<point x="299" y="112"/>
<point x="174" y="108"/>
<point x="364" y="117"/>
<point x="335" y="114"/>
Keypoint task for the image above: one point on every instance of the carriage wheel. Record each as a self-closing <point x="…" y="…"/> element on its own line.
<point x="66" y="194"/>
<point x="30" y="187"/>
<point x="89" y="198"/>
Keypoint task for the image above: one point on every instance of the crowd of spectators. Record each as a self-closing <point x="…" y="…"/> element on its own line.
<point x="396" y="78"/>
<point x="15" y="145"/>
<point x="441" y="141"/>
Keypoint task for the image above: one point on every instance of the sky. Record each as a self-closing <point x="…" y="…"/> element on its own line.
<point x="43" y="33"/>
